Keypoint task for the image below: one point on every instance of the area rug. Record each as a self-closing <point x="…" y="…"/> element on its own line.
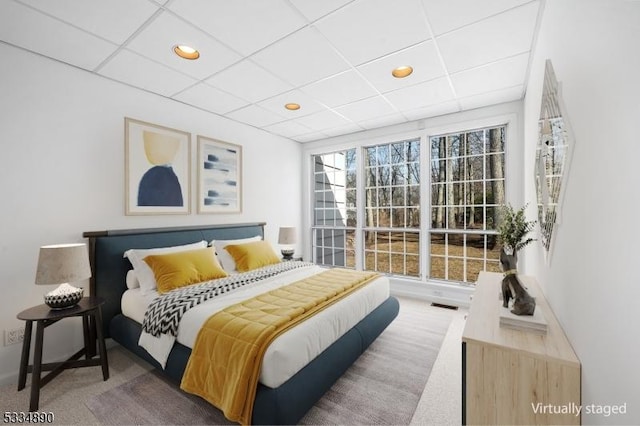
<point x="382" y="387"/>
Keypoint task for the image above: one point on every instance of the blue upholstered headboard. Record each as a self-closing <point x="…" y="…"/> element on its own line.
<point x="109" y="267"/>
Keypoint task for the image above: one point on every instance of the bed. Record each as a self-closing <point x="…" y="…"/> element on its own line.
<point x="284" y="404"/>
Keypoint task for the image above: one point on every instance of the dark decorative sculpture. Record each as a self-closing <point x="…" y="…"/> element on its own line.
<point x="512" y="288"/>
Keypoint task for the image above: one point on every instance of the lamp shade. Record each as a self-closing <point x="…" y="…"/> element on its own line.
<point x="63" y="263"/>
<point x="287" y="235"/>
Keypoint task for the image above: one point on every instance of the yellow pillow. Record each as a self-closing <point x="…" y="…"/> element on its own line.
<point x="252" y="255"/>
<point x="184" y="268"/>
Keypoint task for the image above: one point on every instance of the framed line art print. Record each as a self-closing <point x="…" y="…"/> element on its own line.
<point x="157" y="169"/>
<point x="219" y="176"/>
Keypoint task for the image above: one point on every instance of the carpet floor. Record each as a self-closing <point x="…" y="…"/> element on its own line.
<point x="384" y="386"/>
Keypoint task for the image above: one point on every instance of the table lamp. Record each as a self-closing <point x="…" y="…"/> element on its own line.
<point x="62" y="264"/>
<point x="287" y="238"/>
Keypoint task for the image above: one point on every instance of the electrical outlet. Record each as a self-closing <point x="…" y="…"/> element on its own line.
<point x="12" y="337"/>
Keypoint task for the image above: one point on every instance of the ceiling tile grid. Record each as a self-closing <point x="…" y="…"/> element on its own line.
<point x="333" y="57"/>
<point x="340" y="89"/>
<point x="114" y="20"/>
<point x="135" y="70"/>
<point x="54" y="38"/>
<point x="367" y="30"/>
<point x="249" y="81"/>
<point x="247" y="25"/>
<point x="210" y="98"/>
<point x="157" y="40"/>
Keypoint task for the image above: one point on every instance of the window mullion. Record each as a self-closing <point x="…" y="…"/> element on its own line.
<point x="424" y="252"/>
<point x="360" y="208"/>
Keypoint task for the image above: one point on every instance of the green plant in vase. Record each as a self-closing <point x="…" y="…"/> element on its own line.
<point x="513" y="230"/>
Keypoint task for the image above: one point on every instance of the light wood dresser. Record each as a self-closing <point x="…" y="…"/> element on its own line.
<point x="511" y="376"/>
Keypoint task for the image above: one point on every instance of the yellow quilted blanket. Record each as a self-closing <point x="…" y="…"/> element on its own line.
<point x="225" y="363"/>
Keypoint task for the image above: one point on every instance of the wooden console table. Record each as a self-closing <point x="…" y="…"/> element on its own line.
<point x="512" y="376"/>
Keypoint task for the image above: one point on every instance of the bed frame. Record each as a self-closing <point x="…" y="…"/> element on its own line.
<point x="286" y="404"/>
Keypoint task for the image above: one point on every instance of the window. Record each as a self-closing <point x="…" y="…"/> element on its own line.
<point x="467" y="188"/>
<point x="379" y="208"/>
<point x="392" y="208"/>
<point x="334" y="209"/>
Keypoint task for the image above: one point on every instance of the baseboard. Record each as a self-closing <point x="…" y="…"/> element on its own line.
<point x="435" y="292"/>
<point x="8" y="379"/>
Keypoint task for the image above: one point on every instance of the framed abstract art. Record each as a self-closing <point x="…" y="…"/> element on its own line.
<point x="219" y="176"/>
<point x="157" y="169"/>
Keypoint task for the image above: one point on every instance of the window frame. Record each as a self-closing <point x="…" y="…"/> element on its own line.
<point x="509" y="114"/>
<point x="315" y="228"/>
<point x="464" y="233"/>
<point x="376" y="227"/>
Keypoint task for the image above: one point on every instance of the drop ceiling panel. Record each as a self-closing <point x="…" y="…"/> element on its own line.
<point x="447" y="15"/>
<point x="114" y="20"/>
<point x="366" y="30"/>
<point x="310" y="137"/>
<point x="340" y="89"/>
<point x="387" y="120"/>
<point x="244" y="25"/>
<point x="423" y="58"/>
<point x="432" y="111"/>
<point x="53" y="38"/>
<point x="249" y="81"/>
<point x="288" y="129"/>
<point x="495" y="76"/>
<point x="210" y="98"/>
<point x="314" y="9"/>
<point x="323" y="120"/>
<point x="301" y="58"/>
<point x="343" y="130"/>
<point x="137" y="71"/>
<point x="255" y="115"/>
<point x="422" y="94"/>
<point x="157" y="40"/>
<point x="495" y="38"/>
<point x="492" y="98"/>
<point x="366" y="109"/>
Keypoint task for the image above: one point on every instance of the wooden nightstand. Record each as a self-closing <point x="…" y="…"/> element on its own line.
<point x="44" y="316"/>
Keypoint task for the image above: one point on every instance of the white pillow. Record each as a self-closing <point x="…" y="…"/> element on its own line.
<point x="227" y="262"/>
<point x="132" y="280"/>
<point x="144" y="272"/>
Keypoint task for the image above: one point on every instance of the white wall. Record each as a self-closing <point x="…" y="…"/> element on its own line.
<point x="592" y="280"/>
<point x="62" y="173"/>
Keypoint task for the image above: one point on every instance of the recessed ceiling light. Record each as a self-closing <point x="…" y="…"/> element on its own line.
<point x="402" y="72"/>
<point x="292" y="106"/>
<point x="186" y="52"/>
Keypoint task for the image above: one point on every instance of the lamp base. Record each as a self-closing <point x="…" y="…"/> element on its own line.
<point x="63" y="297"/>
<point x="287" y="254"/>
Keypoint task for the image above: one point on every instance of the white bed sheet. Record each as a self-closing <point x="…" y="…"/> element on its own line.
<point x="292" y="350"/>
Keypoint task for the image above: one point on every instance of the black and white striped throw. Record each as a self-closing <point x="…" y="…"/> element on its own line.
<point x="165" y="312"/>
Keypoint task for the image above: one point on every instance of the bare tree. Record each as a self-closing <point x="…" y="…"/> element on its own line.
<point x="469" y="188"/>
<point x="440" y="178"/>
<point x="496" y="171"/>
